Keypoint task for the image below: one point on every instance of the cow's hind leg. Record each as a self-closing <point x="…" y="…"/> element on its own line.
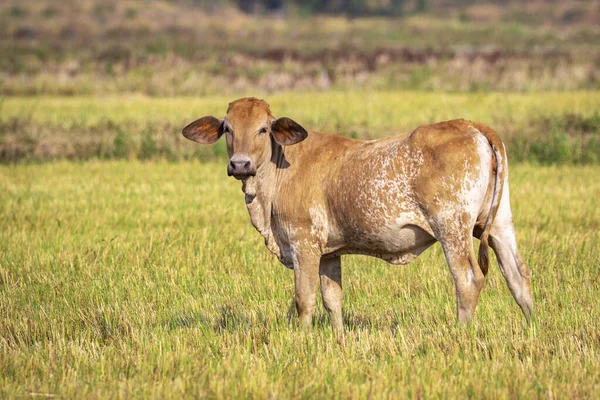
<point x="330" y="270"/>
<point x="468" y="278"/>
<point x="514" y="269"/>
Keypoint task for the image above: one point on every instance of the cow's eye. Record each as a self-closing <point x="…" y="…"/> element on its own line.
<point x="262" y="131"/>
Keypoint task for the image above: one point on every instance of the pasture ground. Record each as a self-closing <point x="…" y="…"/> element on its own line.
<point x="145" y="279"/>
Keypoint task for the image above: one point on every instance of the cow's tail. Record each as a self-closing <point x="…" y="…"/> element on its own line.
<point x="500" y="169"/>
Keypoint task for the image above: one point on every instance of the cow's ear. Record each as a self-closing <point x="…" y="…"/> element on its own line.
<point x="287" y="132"/>
<point x="206" y="130"/>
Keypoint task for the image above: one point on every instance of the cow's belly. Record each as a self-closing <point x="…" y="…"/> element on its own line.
<point x="399" y="244"/>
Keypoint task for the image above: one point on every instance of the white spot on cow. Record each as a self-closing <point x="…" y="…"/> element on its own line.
<point x="319" y="227"/>
<point x="470" y="277"/>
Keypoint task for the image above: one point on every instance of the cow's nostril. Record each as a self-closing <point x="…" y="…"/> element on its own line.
<point x="240" y="166"/>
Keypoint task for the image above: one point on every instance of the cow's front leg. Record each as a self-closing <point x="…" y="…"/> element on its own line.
<point x="306" y="277"/>
<point x="330" y="270"/>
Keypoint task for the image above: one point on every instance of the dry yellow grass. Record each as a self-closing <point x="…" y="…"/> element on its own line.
<point x="137" y="280"/>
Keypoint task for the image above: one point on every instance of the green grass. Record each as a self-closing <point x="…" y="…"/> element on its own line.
<point x="136" y="280"/>
<point x="345" y="111"/>
<point x="545" y="128"/>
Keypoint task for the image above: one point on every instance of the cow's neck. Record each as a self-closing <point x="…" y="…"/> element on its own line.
<point x="259" y="191"/>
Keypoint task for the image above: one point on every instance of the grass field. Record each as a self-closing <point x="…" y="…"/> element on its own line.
<point x="135" y="280"/>
<point x="129" y="267"/>
<point x="546" y="127"/>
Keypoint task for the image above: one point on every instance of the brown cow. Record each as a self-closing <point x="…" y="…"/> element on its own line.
<point x="315" y="196"/>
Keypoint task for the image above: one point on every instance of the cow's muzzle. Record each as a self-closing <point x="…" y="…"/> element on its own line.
<point x="240" y="166"/>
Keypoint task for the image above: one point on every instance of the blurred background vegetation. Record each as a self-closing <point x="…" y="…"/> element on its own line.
<point x="202" y="47"/>
<point x="208" y="48"/>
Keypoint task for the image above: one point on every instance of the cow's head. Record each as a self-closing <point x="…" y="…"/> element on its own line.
<point x="250" y="130"/>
